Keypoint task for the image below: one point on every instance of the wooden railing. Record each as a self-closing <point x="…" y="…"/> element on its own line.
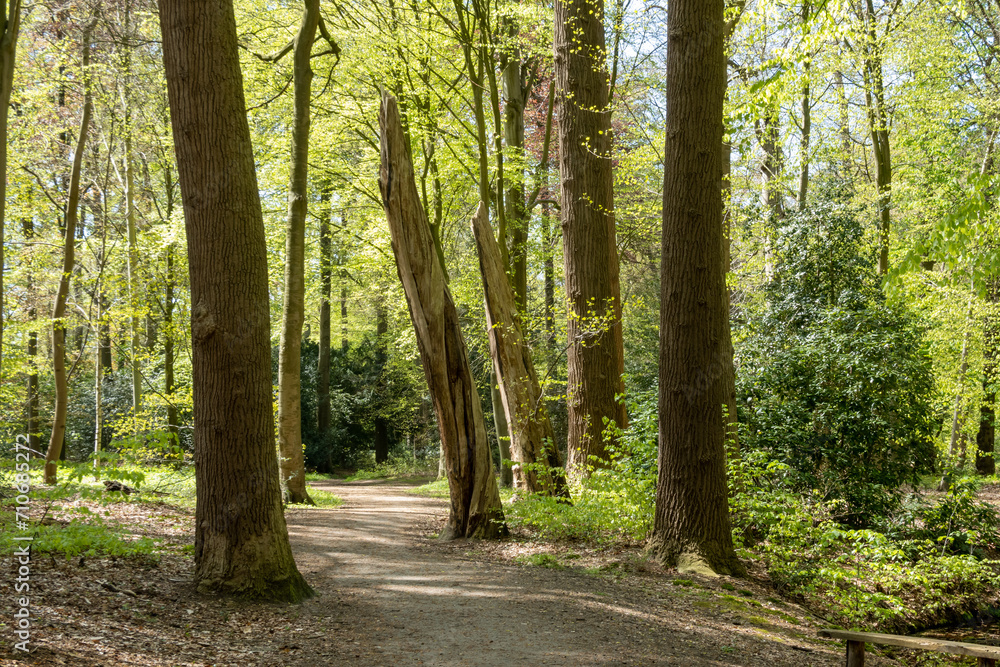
<point x="987" y="655"/>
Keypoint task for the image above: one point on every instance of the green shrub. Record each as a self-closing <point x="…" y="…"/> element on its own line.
<point x="403" y="466"/>
<point x="90" y="538"/>
<point x="833" y="381"/>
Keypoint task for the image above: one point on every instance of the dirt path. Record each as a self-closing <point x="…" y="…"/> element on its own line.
<point x="417" y="601"/>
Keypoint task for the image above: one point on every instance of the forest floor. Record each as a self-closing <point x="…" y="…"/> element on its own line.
<point x="388" y="593"/>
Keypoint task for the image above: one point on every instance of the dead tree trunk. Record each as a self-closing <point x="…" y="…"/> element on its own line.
<point x="537" y="465"/>
<point x="475" y="500"/>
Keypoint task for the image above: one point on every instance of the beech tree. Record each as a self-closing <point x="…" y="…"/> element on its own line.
<point x="241" y="540"/>
<point x="691" y="528"/>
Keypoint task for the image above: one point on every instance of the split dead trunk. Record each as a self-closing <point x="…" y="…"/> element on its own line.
<point x="537" y="464"/>
<point x="475" y="500"/>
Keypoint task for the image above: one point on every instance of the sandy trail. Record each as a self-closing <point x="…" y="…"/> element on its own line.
<point x="416" y="601"/>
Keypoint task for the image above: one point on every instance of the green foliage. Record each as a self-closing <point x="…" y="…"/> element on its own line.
<point x="436" y="489"/>
<point x="833" y="382"/>
<point x="92" y="537"/>
<point x="612" y="504"/>
<point x="864" y="578"/>
<point x="540" y="560"/>
<point x="395" y="467"/>
<point x="956" y="522"/>
<point x="324" y="499"/>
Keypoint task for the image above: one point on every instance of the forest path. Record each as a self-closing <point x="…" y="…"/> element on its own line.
<point x="416" y="601"/>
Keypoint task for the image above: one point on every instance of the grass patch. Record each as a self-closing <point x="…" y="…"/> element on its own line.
<point x="324" y="499"/>
<point x="435" y="489"/>
<point x="402" y="467"/>
<point x="540" y="560"/>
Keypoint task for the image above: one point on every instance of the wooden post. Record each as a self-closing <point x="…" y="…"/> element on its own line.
<point x="987" y="662"/>
<point x="855" y="654"/>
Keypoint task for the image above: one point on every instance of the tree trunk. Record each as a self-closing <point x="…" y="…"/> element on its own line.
<point x="503" y="433"/>
<point x="381" y="425"/>
<point x="293" y="474"/>
<point x="8" y="52"/>
<point x="241" y="540"/>
<point x="31" y="402"/>
<point x="55" y="449"/>
<point x="326" y="282"/>
<point x="768" y="135"/>
<point x="986" y="438"/>
<point x="878" y="127"/>
<point x="173" y="424"/>
<point x="537" y="465"/>
<point x="344" y="342"/>
<point x="806" y="106"/>
<point x="475" y="501"/>
<point x="595" y="358"/>
<point x="517" y="218"/>
<point x="133" y="251"/>
<point x="691" y="528"/>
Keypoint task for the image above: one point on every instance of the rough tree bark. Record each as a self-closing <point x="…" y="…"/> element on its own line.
<point x="595" y="358"/>
<point x="31" y="400"/>
<point x="58" y="434"/>
<point x="691" y="528"/>
<point x="537" y="464"/>
<point x="475" y="500"/>
<point x="241" y="540"/>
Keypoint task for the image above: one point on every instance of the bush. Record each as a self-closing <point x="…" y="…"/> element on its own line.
<point x="832" y="381"/>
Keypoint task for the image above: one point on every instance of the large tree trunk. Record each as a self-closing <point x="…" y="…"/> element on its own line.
<point x="8" y="52"/>
<point x="293" y="475"/>
<point x="595" y="358"/>
<point x="325" y="282"/>
<point x="55" y="449"/>
<point x="241" y="540"/>
<point x="475" y="501"/>
<point x="537" y="464"/>
<point x="691" y="528"/>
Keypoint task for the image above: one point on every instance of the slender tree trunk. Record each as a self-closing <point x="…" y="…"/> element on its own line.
<point x="517" y="218"/>
<point x="475" y="501"/>
<point x="503" y="433"/>
<point x="241" y="540"/>
<point x="344" y="342"/>
<point x="381" y="425"/>
<point x="31" y="416"/>
<point x="595" y="358"/>
<point x="58" y="434"/>
<point x="293" y="475"/>
<point x="8" y="53"/>
<point x="878" y="127"/>
<point x="133" y="251"/>
<point x="768" y="135"/>
<point x="986" y="437"/>
<point x="537" y="464"/>
<point x="691" y="528"/>
<point x="325" y="281"/>
<point x="169" y="333"/>
<point x="806" y="106"/>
